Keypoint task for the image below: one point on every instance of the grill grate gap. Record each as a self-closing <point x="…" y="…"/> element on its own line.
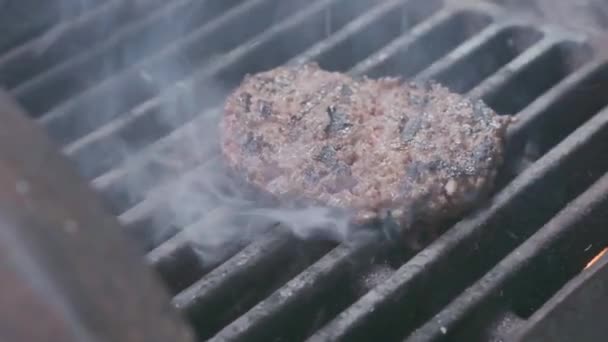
<point x="420" y="53"/>
<point x="289" y="42"/>
<point x="388" y="25"/>
<point x="540" y="75"/>
<point x="496" y="52"/>
<point x="80" y="115"/>
<point x="25" y="20"/>
<point x="68" y="40"/>
<point x="210" y="304"/>
<point x="49" y="89"/>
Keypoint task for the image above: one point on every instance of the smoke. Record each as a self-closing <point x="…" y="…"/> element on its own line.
<point x="181" y="176"/>
<point x="589" y="16"/>
<point x="183" y="170"/>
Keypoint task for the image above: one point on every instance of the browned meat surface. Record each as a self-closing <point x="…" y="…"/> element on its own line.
<point x="374" y="146"/>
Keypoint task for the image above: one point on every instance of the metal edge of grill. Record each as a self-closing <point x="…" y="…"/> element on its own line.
<point x="372" y="312"/>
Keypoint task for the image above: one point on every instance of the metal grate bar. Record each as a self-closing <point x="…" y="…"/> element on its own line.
<point x="25" y="20"/>
<point x="573" y="229"/>
<point x="421" y="33"/>
<point x="52" y="87"/>
<point x="68" y="39"/>
<point x="541" y="54"/>
<point x="400" y="15"/>
<point x="322" y="280"/>
<point x="206" y="298"/>
<point x="481" y="56"/>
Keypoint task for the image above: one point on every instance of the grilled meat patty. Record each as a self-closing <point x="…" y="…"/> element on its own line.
<point x="412" y="151"/>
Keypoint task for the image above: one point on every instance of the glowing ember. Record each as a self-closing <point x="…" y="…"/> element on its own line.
<point x="596" y="258"/>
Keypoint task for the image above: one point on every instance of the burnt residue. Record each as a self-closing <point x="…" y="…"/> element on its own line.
<point x="327" y="156"/>
<point x="482" y="112"/>
<point x="338" y="120"/>
<point x="342" y="169"/>
<point x="346" y="91"/>
<point x="419" y="101"/>
<point x="253" y="144"/>
<point x="411" y="127"/>
<point x="245" y="100"/>
<point x="264" y="108"/>
<point x="415" y="170"/>
<point x="312" y="175"/>
<point x="483" y="151"/>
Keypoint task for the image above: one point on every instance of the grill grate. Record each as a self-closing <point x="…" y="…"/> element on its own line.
<point x="533" y="229"/>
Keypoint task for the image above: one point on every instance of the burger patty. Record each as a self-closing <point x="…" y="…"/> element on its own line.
<point x="377" y="147"/>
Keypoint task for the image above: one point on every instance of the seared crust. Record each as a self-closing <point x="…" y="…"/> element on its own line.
<point x="416" y="151"/>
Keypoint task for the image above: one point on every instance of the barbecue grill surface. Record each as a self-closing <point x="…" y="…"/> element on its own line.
<point x="481" y="280"/>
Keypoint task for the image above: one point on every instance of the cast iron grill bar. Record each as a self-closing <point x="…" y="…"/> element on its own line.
<point x="37" y="55"/>
<point x="542" y="54"/>
<point x="562" y="162"/>
<point x="263" y="257"/>
<point x="567" y="235"/>
<point x="573" y="230"/>
<point x="419" y="33"/>
<point x="111" y="184"/>
<point x="401" y="8"/>
<point x="498" y="79"/>
<point x="470" y="63"/>
<point x="274" y="316"/>
<point x="555" y="100"/>
<point x="25" y="20"/>
<point x="50" y="88"/>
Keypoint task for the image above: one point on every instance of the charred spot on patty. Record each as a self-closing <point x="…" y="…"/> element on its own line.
<point x="411" y="127"/>
<point x="253" y="144"/>
<point x="338" y="121"/>
<point x="346" y="91"/>
<point x="264" y="108"/>
<point x="327" y="156"/>
<point x="245" y="100"/>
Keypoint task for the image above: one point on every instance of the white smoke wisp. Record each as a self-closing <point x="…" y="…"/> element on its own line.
<point x="183" y="165"/>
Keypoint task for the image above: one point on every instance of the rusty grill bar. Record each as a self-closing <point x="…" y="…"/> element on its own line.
<point x="533" y="229"/>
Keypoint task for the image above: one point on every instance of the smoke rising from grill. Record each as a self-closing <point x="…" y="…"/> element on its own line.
<point x="212" y="208"/>
<point x="184" y="178"/>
